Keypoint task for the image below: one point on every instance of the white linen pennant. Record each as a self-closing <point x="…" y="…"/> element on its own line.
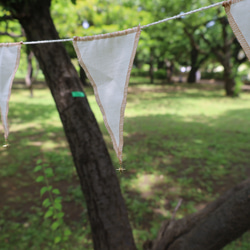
<point x="9" y="61"/>
<point x="239" y="20"/>
<point x="107" y="60"/>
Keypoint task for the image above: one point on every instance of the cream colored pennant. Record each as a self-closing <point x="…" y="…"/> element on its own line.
<point x="107" y="60"/>
<point x="238" y="12"/>
<point x="9" y="61"/>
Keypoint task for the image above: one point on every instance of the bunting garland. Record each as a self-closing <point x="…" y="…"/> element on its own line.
<point x="9" y="61"/>
<point x="107" y="60"/>
<point x="238" y="16"/>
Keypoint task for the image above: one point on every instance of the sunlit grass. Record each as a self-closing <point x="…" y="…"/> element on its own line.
<point x="180" y="142"/>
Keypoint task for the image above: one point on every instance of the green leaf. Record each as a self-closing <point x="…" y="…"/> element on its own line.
<point x="39" y="161"/>
<point x="48" y="214"/>
<point x="37" y="168"/>
<point x="57" y="239"/>
<point x="67" y="232"/>
<point x="43" y="190"/>
<point x="55" y="225"/>
<point x="39" y="178"/>
<point x="46" y="202"/>
<point x="56" y="191"/>
<point x="58" y="199"/>
<point x="60" y="215"/>
<point x="58" y="206"/>
<point x="49" y="172"/>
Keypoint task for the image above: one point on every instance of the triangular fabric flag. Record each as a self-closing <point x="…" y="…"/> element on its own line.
<point x="9" y="61"/>
<point x="238" y="12"/>
<point x="107" y="60"/>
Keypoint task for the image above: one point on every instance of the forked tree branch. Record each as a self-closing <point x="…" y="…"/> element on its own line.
<point x="219" y="223"/>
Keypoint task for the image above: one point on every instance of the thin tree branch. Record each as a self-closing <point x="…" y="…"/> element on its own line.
<point x="10" y="34"/>
<point x="6" y="18"/>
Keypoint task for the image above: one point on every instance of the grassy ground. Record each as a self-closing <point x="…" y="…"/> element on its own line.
<point x="180" y="142"/>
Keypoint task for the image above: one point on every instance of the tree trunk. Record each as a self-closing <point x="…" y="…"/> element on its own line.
<point x="169" y="70"/>
<point x="106" y="208"/>
<point x="28" y="78"/>
<point x="219" y="223"/>
<point x="229" y="82"/>
<point x="226" y="59"/>
<point x="194" y="67"/>
<point x="192" y="75"/>
<point x="83" y="77"/>
<point x="151" y="66"/>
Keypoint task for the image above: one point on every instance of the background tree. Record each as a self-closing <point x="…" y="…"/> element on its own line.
<point x="106" y="208"/>
<point x="212" y="36"/>
<point x="226" y="50"/>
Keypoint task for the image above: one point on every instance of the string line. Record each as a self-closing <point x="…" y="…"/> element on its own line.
<point x="49" y="41"/>
<point x="182" y="14"/>
<point x="142" y="27"/>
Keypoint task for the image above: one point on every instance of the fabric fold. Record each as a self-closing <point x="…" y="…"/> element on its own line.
<point x="9" y="61"/>
<point x="107" y="60"/>
<point x="239" y="19"/>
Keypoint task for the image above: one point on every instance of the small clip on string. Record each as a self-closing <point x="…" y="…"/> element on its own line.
<point x="120" y="169"/>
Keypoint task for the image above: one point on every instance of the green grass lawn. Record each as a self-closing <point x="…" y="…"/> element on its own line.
<point x="180" y="142"/>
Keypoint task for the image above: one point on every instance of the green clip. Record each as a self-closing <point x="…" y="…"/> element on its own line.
<point x="77" y="94"/>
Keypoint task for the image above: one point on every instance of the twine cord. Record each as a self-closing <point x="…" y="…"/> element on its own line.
<point x="142" y="27"/>
<point x="182" y="14"/>
<point x="49" y="41"/>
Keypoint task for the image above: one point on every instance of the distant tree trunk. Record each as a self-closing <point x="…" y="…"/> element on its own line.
<point x="28" y="78"/>
<point x="219" y="223"/>
<point x="106" y="208"/>
<point x="229" y="80"/>
<point x="160" y="64"/>
<point x="224" y="54"/>
<point x="83" y="77"/>
<point x="194" y="66"/>
<point x="169" y="70"/>
<point x="151" y="66"/>
<point x="194" y="54"/>
<point x="226" y="59"/>
<point x="228" y="75"/>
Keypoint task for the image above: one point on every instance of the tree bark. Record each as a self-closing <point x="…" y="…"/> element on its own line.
<point x="28" y="78"/>
<point x="106" y="207"/>
<point x="229" y="81"/>
<point x="169" y="70"/>
<point x="194" y="68"/>
<point x="226" y="60"/>
<point x="229" y="84"/>
<point x="219" y="223"/>
<point x="83" y="77"/>
<point x="151" y="66"/>
<point x="224" y="55"/>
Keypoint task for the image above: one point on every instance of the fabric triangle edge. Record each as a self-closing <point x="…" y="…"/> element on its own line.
<point x="137" y="30"/>
<point x="236" y="30"/>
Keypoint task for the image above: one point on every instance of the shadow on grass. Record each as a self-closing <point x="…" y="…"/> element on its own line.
<point x="176" y="90"/>
<point x="167" y="158"/>
<point x="28" y="112"/>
